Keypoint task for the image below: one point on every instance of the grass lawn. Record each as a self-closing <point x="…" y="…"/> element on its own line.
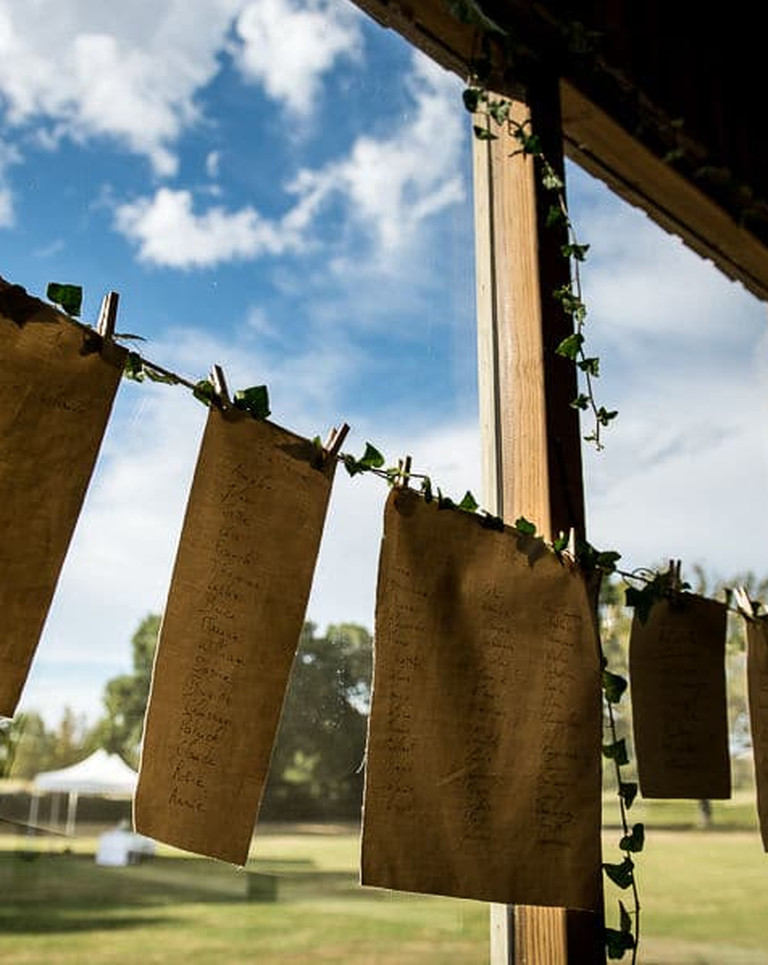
<point x="705" y="901"/>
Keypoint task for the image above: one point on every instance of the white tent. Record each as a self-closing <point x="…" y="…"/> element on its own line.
<point x="101" y="773"/>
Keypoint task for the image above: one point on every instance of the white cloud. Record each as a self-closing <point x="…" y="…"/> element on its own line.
<point x="641" y="280"/>
<point x="119" y="564"/>
<point x="389" y="187"/>
<point x="213" y="163"/>
<point x="7" y="217"/>
<point x="287" y="46"/>
<point x="168" y="232"/>
<point x="683" y="358"/>
<point x="8" y="156"/>
<point x="132" y="72"/>
<point x="128" y="71"/>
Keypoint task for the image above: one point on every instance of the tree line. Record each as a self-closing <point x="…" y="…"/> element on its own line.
<point x="317" y="762"/>
<point x="316" y="769"/>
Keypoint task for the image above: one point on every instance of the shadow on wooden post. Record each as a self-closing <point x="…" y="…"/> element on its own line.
<point x="531" y="435"/>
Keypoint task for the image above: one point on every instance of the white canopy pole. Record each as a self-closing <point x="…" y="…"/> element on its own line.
<point x="71" y="812"/>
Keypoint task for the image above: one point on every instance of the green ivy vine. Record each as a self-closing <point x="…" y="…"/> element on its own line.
<point x="496" y="114"/>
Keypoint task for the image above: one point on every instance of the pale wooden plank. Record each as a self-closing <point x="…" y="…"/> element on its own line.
<point x="531" y="437"/>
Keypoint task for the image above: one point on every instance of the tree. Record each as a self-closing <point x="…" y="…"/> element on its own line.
<point x="26" y="746"/>
<point x="125" y="697"/>
<point x="317" y="760"/>
<point x="317" y="764"/>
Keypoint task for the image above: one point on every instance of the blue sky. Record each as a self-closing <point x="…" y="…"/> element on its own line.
<point x="295" y="204"/>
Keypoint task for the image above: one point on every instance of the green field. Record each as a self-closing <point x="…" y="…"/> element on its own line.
<point x="705" y="900"/>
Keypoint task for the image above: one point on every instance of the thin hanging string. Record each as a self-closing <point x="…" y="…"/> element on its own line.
<point x="148" y="367"/>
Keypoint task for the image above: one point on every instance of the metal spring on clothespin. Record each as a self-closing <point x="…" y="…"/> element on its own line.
<point x="220" y="387"/>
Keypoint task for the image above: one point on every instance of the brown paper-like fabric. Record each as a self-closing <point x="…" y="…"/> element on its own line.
<point x="54" y="406"/>
<point x="234" y="615"/>
<point x="483" y="763"/>
<point x="757" y="685"/>
<point x="677" y="676"/>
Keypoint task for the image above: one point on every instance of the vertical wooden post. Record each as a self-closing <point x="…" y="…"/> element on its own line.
<point x="531" y="436"/>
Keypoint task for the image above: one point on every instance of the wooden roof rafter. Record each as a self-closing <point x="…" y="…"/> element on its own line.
<point x="686" y="153"/>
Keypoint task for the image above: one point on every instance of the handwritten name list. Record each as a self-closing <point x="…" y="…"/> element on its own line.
<point x="235" y="609"/>
<point x="677" y="675"/>
<point x="757" y="687"/>
<point x="483" y="770"/>
<point x="54" y="407"/>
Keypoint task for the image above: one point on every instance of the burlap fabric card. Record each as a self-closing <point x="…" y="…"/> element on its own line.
<point x="757" y="684"/>
<point x="483" y="763"/>
<point x="677" y="677"/>
<point x="235" y="610"/>
<point x="55" y="399"/>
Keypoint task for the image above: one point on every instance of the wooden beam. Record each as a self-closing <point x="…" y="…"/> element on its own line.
<point x="594" y="140"/>
<point x="604" y="149"/>
<point x="531" y="436"/>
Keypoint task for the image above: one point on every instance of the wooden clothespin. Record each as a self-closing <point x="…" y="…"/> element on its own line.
<point x="675" y="580"/>
<point x="335" y="441"/>
<point x="743" y="602"/>
<point x="405" y="475"/>
<point x="220" y="386"/>
<point x="105" y="325"/>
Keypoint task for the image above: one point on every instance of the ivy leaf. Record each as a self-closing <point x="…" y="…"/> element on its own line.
<point x="591" y="366"/>
<point x="607" y="560"/>
<point x="620" y="874"/>
<point x="604" y="416"/>
<point x="580" y="402"/>
<point x="635" y="840"/>
<point x="318" y="456"/>
<point x="393" y="474"/>
<point x="426" y="489"/>
<point x="642" y="600"/>
<point x="69" y="297"/>
<point x="617" y="751"/>
<point x="625" y="919"/>
<point x="555" y="215"/>
<point x="530" y="143"/>
<point x="499" y="111"/>
<point x="617" y="943"/>
<point x="489" y="521"/>
<point x="134" y="367"/>
<point x="204" y="392"/>
<point x="613" y="686"/>
<point x="550" y="180"/>
<point x="628" y="792"/>
<point x="254" y="400"/>
<point x="471" y="98"/>
<point x="154" y="376"/>
<point x="129" y="337"/>
<point x="372" y="458"/>
<point x="525" y="527"/>
<point x="577" y="252"/>
<point x="483" y="134"/>
<point x="570" y="346"/>
<point x="444" y="502"/>
<point x="560" y="543"/>
<point x="352" y="466"/>
<point x="469" y="504"/>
